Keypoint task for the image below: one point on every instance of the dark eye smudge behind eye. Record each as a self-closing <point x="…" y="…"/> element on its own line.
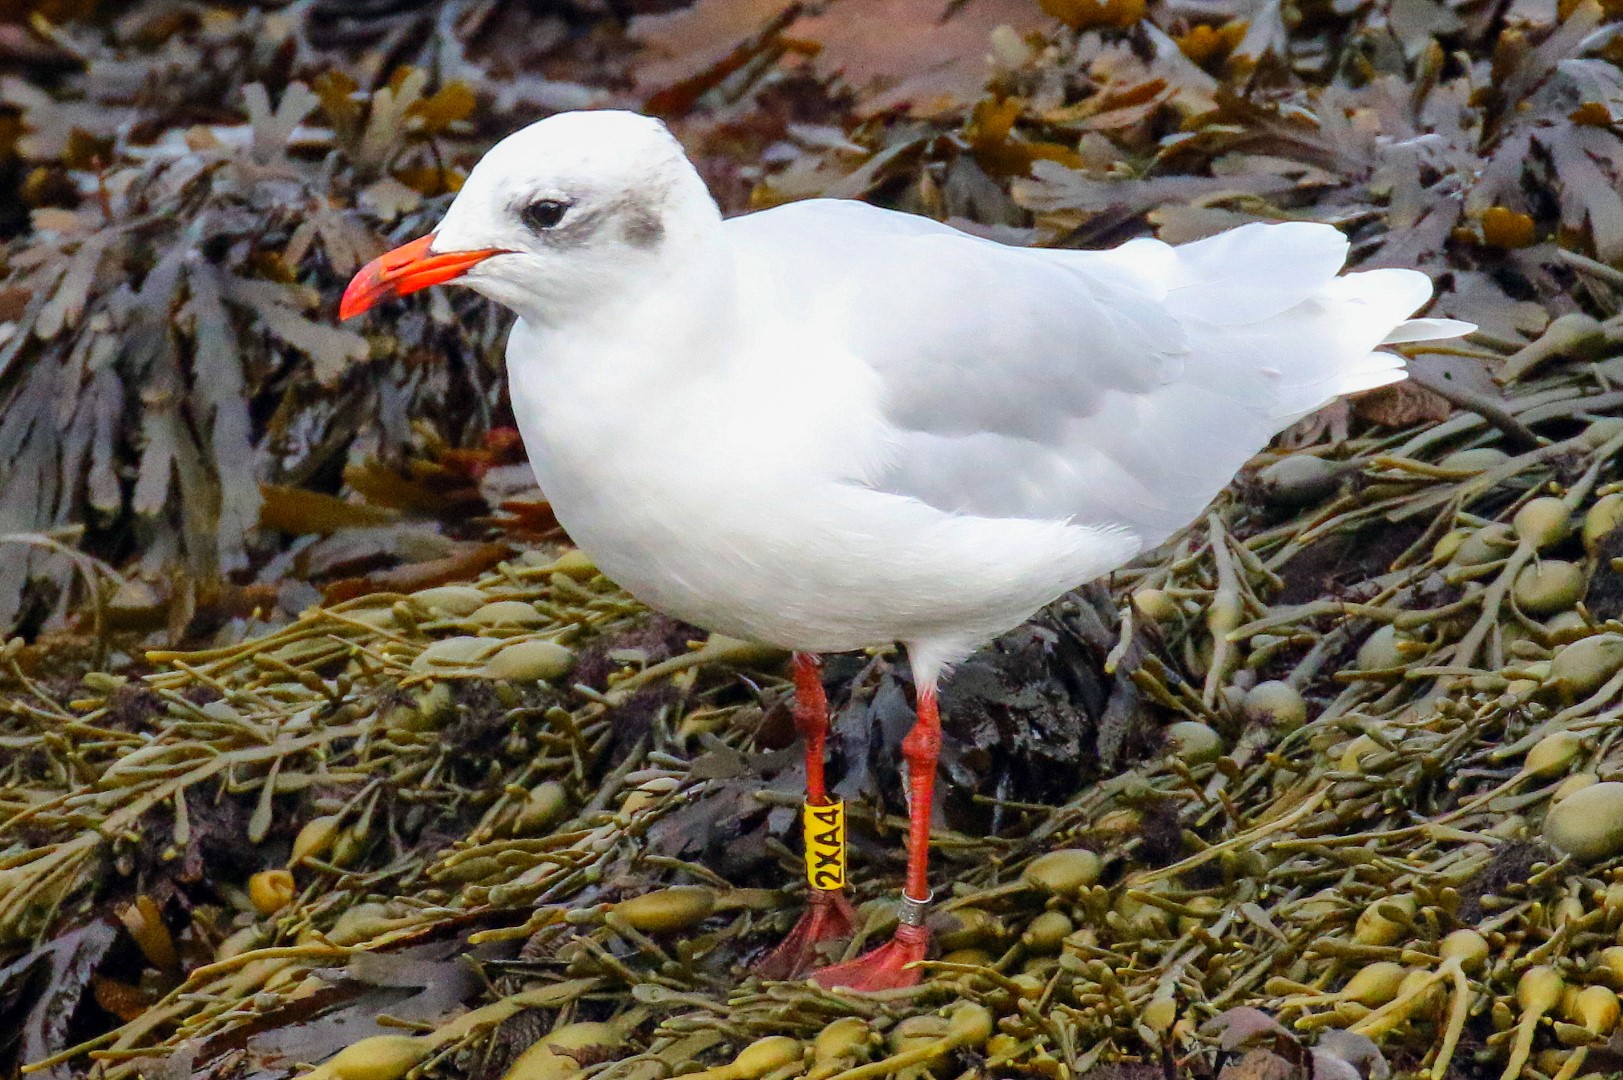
<point x="635" y="217"/>
<point x="643" y="228"/>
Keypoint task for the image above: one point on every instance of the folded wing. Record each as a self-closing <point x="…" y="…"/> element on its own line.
<point x="1121" y="388"/>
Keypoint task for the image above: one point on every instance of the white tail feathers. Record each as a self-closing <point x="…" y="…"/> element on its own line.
<point x="1427" y="330"/>
<point x="1324" y="339"/>
<point x="1370" y="309"/>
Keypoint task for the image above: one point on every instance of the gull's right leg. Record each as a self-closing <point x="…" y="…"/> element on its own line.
<point x="894" y="964"/>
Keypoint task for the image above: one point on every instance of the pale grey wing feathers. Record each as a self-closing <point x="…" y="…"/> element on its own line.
<point x="1121" y="388"/>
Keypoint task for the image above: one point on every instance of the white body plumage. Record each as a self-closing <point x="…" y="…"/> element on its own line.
<point x="828" y="426"/>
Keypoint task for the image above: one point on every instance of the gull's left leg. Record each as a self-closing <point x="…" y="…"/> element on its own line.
<point x="828" y="916"/>
<point x="891" y="965"/>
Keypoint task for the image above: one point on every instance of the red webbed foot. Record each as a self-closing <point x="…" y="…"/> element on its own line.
<point x="828" y="918"/>
<point x="888" y="967"/>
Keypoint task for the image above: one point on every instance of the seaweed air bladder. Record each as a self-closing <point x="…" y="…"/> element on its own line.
<point x="828" y="426"/>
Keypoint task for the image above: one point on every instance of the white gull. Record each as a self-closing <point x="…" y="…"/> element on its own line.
<point x="828" y="426"/>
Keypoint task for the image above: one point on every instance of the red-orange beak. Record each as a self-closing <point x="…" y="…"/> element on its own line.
<point x="404" y="270"/>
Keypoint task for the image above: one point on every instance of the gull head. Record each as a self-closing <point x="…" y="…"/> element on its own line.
<point x="554" y="218"/>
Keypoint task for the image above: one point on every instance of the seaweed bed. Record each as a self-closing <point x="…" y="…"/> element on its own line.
<point x="317" y="736"/>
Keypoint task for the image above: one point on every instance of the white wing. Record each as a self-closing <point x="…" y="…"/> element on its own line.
<point x="1122" y="388"/>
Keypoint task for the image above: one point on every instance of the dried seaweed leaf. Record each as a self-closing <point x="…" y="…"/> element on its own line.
<point x="332" y="350"/>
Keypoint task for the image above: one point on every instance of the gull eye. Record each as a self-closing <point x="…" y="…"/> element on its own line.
<point x="544" y="213"/>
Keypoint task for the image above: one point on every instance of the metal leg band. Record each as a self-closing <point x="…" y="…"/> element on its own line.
<point x="913" y="911"/>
